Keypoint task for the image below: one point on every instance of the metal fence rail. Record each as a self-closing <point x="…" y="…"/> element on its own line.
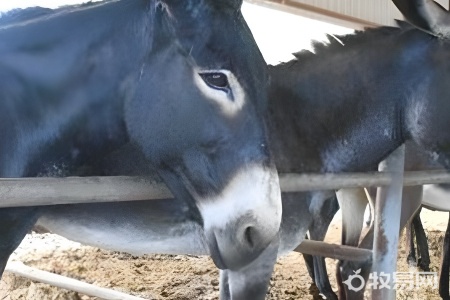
<point x="50" y="191"/>
<point x="67" y="283"/>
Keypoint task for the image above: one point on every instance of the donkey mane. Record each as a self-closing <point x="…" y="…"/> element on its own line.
<point x="356" y="38"/>
<point x="339" y="43"/>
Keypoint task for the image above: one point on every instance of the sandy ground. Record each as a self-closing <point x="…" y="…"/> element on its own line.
<point x="178" y="277"/>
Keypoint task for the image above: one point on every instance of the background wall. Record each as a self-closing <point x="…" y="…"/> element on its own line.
<point x="351" y="13"/>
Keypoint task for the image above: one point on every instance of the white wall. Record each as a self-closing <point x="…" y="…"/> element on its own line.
<point x="277" y="33"/>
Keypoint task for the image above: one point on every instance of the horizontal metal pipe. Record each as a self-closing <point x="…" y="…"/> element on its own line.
<point x="69" y="190"/>
<point x="334" y="251"/>
<point x="67" y="283"/>
<point x="314" y="182"/>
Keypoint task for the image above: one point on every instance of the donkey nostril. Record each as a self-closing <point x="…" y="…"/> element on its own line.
<point x="249" y="235"/>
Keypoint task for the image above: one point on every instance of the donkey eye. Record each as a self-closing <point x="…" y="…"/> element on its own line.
<point x="218" y="81"/>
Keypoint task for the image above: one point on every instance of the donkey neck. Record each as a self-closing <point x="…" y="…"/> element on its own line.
<point x="343" y="110"/>
<point x="68" y="74"/>
<point x="73" y="44"/>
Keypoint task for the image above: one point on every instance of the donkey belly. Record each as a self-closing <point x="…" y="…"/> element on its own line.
<point x="137" y="228"/>
<point x="436" y="198"/>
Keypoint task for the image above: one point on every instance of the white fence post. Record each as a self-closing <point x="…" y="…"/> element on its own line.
<point x="387" y="227"/>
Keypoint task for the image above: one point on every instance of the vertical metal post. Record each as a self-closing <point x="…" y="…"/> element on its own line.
<point x="387" y="228"/>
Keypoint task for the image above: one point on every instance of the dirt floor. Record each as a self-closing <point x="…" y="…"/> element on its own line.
<point x="178" y="277"/>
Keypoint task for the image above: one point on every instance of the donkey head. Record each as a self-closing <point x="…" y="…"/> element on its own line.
<point x="197" y="114"/>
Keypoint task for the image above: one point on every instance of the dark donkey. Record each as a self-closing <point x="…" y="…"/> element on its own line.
<point x="432" y="118"/>
<point x="353" y="102"/>
<point x="183" y="80"/>
<point x="375" y="78"/>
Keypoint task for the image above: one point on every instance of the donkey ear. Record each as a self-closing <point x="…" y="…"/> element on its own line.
<point x="426" y="15"/>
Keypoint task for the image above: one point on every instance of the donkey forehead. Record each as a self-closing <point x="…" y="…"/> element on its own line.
<point x="228" y="44"/>
<point x="214" y="34"/>
<point x="206" y="27"/>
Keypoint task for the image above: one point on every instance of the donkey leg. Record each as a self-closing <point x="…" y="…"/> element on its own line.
<point x="445" y="264"/>
<point x="317" y="232"/>
<point x="353" y="204"/>
<point x="14" y="225"/>
<point x="309" y="262"/>
<point x="354" y="289"/>
<point x="3" y="262"/>
<point x="321" y="278"/>
<point x="411" y="206"/>
<point x="409" y="233"/>
<point x="422" y="243"/>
